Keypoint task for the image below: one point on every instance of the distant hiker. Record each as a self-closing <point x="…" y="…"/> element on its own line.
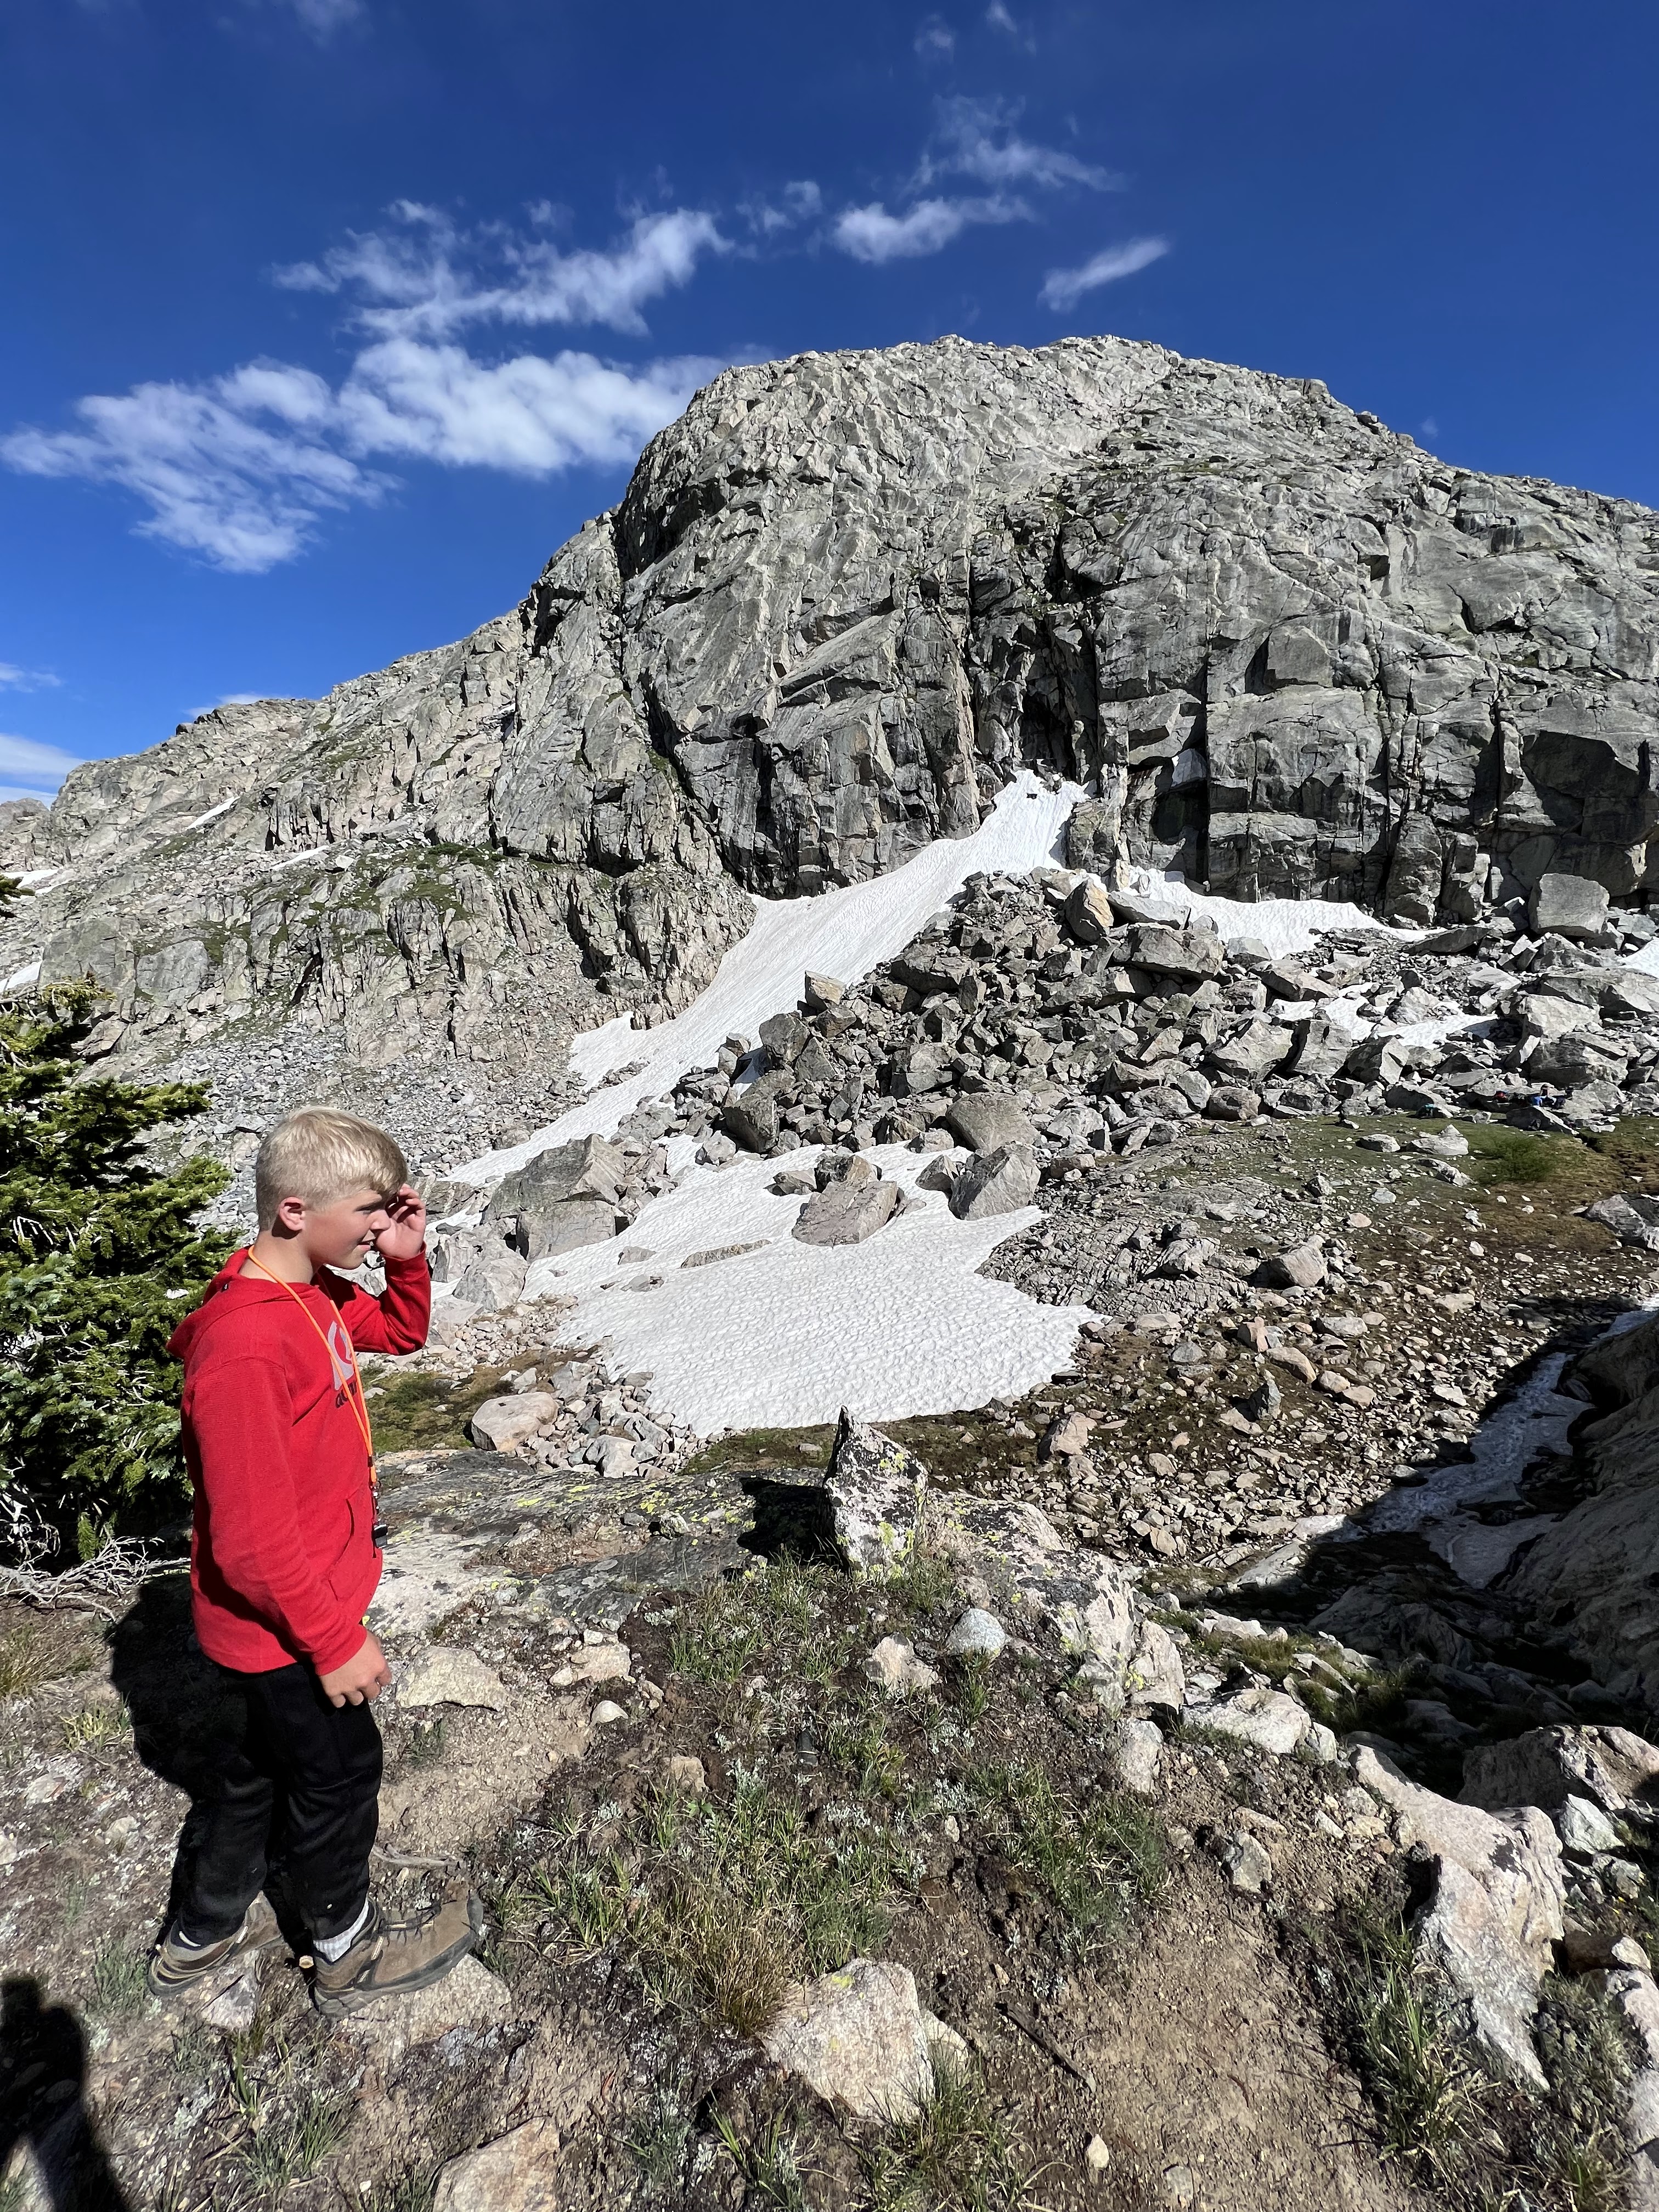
<point x="285" y="1557"/>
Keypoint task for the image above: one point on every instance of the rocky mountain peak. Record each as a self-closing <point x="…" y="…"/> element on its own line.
<point x="845" y="597"/>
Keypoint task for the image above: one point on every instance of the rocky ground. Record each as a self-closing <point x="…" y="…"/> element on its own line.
<point x="1161" y="1893"/>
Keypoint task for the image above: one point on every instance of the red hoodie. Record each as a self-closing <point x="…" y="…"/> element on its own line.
<point x="283" y="1557"/>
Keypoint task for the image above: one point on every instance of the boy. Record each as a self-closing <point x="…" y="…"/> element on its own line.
<point x="285" y="1557"/>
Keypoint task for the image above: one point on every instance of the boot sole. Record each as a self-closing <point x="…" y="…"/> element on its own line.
<point x="338" y="2004"/>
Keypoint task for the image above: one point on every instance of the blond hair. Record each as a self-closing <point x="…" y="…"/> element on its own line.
<point x="321" y="1155"/>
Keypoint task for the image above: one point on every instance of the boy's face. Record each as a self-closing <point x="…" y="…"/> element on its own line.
<point x="341" y="1234"/>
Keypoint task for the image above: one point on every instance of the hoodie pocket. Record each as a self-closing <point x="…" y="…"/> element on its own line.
<point x="344" y="1576"/>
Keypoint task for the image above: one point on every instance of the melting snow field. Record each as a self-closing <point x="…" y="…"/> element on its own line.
<point x="787" y="1334"/>
<point x="843" y="933"/>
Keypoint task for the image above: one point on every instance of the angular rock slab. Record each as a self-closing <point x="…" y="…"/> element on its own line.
<point x="515" y="2173"/>
<point x="1497" y="1910"/>
<point x="863" y="2040"/>
<point x="448" y="1675"/>
<point x="1043" y="1586"/>
<point x="504" y="1423"/>
<point x="999" y="1181"/>
<point x="846" y="1214"/>
<point x="878" y="1492"/>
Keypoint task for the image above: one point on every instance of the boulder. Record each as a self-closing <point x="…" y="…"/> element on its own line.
<point x="1301" y="1268"/>
<point x="822" y="992"/>
<point x="785" y="1037"/>
<point x="1232" y="1101"/>
<point x="1088" y="912"/>
<point x="893" y="1666"/>
<point x="1610" y="1766"/>
<point x="1267" y="1718"/>
<point x="1251" y="1052"/>
<point x="586" y="1167"/>
<point x="1497" y="1907"/>
<point x="1567" y="906"/>
<point x="877" y="1491"/>
<point x="1138" y="1756"/>
<point x="862" y="2039"/>
<point x="993" y="1183"/>
<point x="976" y="1635"/>
<point x="493" y="1277"/>
<point x="1048" y="1591"/>
<point x="848" y="1213"/>
<point x="1198" y="953"/>
<point x="1582" y="1056"/>
<point x="751" y="1119"/>
<point x="548" y="1231"/>
<point x="449" y="1674"/>
<point x="1633" y="1216"/>
<point x="504" y="1424"/>
<point x="983" y="1119"/>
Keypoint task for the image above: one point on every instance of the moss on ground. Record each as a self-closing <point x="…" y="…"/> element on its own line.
<point x="422" y="1412"/>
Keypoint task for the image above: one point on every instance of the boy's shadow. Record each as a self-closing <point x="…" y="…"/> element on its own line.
<point x="43" y="2075"/>
<point x="182" y="1720"/>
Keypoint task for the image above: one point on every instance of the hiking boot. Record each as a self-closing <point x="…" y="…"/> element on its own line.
<point x="393" y="1957"/>
<point x="175" y="1967"/>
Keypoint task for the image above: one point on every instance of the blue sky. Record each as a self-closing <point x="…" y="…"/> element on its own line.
<point x="327" y="320"/>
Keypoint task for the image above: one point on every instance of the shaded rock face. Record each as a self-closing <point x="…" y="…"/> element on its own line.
<point x="845" y="597"/>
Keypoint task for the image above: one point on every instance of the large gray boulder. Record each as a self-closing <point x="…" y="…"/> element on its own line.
<point x="1567" y="906"/>
<point x="999" y="1181"/>
<point x="845" y="1212"/>
<point x="563" y="1199"/>
<point x="1610" y="1766"/>
<point x="983" y="1120"/>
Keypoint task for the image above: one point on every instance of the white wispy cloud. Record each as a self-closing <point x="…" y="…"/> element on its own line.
<point x="977" y="138"/>
<point x="935" y="40"/>
<point x="799" y="202"/>
<point x="974" y="138"/>
<point x="998" y="18"/>
<point x="239" y="469"/>
<point x="13" y="678"/>
<point x="870" y="233"/>
<point x="425" y="278"/>
<point x="30" y="769"/>
<point x="1064" y="287"/>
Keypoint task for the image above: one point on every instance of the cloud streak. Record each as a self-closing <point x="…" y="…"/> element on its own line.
<point x="28" y="767"/>
<point x="420" y="278"/>
<point x="1064" y="287"/>
<point x="239" y="469"/>
<point x="870" y="233"/>
<point x="13" y="678"/>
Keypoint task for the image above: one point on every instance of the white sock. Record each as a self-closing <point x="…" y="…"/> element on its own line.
<point x="335" y="1946"/>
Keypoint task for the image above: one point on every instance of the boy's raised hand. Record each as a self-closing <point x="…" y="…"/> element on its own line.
<point x="362" y="1679"/>
<point x="405" y="1238"/>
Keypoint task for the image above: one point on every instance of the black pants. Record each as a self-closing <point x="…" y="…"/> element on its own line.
<point x="301" y="1787"/>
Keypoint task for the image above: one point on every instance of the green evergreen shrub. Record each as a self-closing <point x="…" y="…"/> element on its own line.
<point x="100" y="1254"/>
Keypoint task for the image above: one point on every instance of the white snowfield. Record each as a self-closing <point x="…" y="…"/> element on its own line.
<point x="786" y="1335"/>
<point x="843" y="933"/>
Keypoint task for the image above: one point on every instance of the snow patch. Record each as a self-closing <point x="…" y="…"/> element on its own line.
<point x="21" y="978"/>
<point x="786" y="1335"/>
<point x="1283" y="925"/>
<point x="843" y="933"/>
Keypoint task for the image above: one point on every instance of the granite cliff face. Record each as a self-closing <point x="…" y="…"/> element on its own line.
<point x="844" y="598"/>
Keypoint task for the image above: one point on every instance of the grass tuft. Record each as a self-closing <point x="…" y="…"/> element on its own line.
<point x="289" y="2143"/>
<point x="953" y="2156"/>
<point x="1514" y="1156"/>
<point x="22" y="1660"/>
<point x="117" y="1980"/>
<point x="1100" y="1862"/>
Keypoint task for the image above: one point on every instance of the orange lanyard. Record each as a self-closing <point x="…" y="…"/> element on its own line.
<point x="359" y="1409"/>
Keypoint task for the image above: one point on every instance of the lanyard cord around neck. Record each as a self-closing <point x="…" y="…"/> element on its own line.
<point x="360" y="1410"/>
